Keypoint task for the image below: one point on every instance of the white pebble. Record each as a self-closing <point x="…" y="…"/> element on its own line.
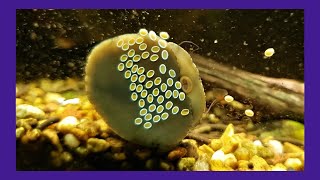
<point x="257" y="143"/>
<point x="67" y="122"/>
<point x="71" y="141"/>
<point x="294" y="163"/>
<point x="275" y="146"/>
<point x="218" y="155"/>
<point x="26" y="110"/>
<point x="70" y="101"/>
<point x="53" y="98"/>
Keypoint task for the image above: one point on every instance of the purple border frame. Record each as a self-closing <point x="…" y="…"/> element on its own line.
<point x="8" y="71"/>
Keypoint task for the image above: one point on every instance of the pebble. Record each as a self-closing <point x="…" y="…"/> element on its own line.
<point x="244" y="165"/>
<point x="242" y="153"/>
<point x="142" y="154"/>
<point x="66" y="157"/>
<point x="192" y="147"/>
<point x="71" y="141"/>
<point x="218" y="155"/>
<point x="19" y="101"/>
<point x="67" y="123"/>
<point x="213" y="119"/>
<point x="53" y="137"/>
<point x="36" y="92"/>
<point x="70" y="101"/>
<point x="294" y="163"/>
<point x="276" y="146"/>
<point x="151" y="163"/>
<point x="278" y="167"/>
<point x="119" y="156"/>
<point x="216" y="144"/>
<point x="59" y="158"/>
<point x="206" y="149"/>
<point x="230" y="144"/>
<point x="257" y="143"/>
<point x="80" y="134"/>
<point x="26" y="110"/>
<point x="218" y="165"/>
<point x="201" y="164"/>
<point x="116" y="145"/>
<point x="177" y="153"/>
<point x="228" y="132"/>
<point x="250" y="147"/>
<point x="265" y="152"/>
<point x="53" y="98"/>
<point x="52" y="86"/>
<point x="259" y="164"/>
<point x="186" y="164"/>
<point x="20" y="131"/>
<point x="230" y="161"/>
<point x="166" y="166"/>
<point x="91" y="128"/>
<point x="82" y="151"/>
<point x="31" y="136"/>
<point x="103" y="127"/>
<point x="291" y="148"/>
<point x="97" y="145"/>
<point x="26" y="123"/>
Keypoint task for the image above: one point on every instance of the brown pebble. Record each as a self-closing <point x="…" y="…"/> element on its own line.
<point x="177" y="153"/>
<point x="97" y="145"/>
<point x="80" y="134"/>
<point x="142" y="154"/>
<point x="26" y="123"/>
<point x="53" y="138"/>
<point x="191" y="146"/>
<point x="119" y="156"/>
<point x="115" y="144"/>
<point x="90" y="127"/>
<point x="164" y="165"/>
<point x="31" y="136"/>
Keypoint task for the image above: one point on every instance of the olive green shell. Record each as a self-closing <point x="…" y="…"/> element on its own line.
<point x="146" y="89"/>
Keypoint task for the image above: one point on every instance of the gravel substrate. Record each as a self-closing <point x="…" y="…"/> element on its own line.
<point x="58" y="129"/>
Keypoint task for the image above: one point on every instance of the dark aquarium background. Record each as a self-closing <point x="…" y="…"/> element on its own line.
<point x="54" y="43"/>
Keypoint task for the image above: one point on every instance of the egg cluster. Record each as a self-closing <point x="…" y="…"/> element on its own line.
<point x="156" y="89"/>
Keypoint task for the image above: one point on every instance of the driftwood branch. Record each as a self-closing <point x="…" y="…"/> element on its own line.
<point x="276" y="97"/>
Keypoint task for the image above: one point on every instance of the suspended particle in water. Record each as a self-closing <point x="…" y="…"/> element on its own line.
<point x="269" y="52"/>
